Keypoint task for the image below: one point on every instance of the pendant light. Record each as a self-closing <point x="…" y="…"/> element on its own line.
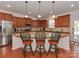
<point x="26" y="16"/>
<point x="39" y="16"/>
<point x="53" y="9"/>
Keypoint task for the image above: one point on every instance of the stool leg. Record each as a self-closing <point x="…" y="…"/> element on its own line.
<point x="35" y="49"/>
<point x="44" y="49"/>
<point x="31" y="49"/>
<point x="49" y="48"/>
<point x="24" y="50"/>
<point x="56" y="50"/>
<point x="40" y="52"/>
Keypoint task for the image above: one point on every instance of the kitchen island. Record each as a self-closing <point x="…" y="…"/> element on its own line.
<point x="63" y="43"/>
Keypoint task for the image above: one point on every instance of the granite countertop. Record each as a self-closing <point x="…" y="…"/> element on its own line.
<point x="48" y="33"/>
<point x="42" y="31"/>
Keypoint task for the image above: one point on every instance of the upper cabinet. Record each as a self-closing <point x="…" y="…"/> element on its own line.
<point x="28" y="20"/>
<point x="18" y="22"/>
<point x="5" y="16"/>
<point x="39" y="23"/>
<point x="8" y="17"/>
<point x="33" y="23"/>
<point x="21" y="22"/>
<point x="2" y="16"/>
<point x="62" y="21"/>
<point x="43" y="23"/>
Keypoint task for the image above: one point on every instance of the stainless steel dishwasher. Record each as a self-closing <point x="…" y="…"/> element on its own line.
<point x="5" y="33"/>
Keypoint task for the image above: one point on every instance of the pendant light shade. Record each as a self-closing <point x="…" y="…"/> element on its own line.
<point x="39" y="15"/>
<point x="53" y="16"/>
<point x="26" y="16"/>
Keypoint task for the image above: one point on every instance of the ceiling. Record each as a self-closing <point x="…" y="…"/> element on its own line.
<point x="45" y="7"/>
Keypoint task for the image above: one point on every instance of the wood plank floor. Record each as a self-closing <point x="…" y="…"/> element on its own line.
<point x="6" y="52"/>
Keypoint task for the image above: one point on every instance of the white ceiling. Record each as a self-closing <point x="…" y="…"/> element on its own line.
<point x="19" y="7"/>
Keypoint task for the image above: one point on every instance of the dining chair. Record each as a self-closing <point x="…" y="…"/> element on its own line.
<point x="55" y="36"/>
<point x="26" y="38"/>
<point x="40" y="42"/>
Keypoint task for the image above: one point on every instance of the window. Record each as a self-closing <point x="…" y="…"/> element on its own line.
<point x="51" y="23"/>
<point x="76" y="29"/>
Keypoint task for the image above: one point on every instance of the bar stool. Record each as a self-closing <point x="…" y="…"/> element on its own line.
<point x="40" y="41"/>
<point x="55" y="36"/>
<point x="26" y="38"/>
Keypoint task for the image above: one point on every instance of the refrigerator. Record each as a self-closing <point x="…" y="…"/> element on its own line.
<point x="5" y="33"/>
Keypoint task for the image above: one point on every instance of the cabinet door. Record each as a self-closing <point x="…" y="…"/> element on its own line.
<point x="21" y="22"/>
<point x="8" y="17"/>
<point x="63" y="21"/>
<point x="33" y="23"/>
<point x="28" y="20"/>
<point x="37" y="23"/>
<point x="43" y="23"/>
<point x="5" y="16"/>
<point x="58" y="22"/>
<point x="1" y="16"/>
<point x="18" y="22"/>
<point x="14" y="22"/>
<point x="66" y="21"/>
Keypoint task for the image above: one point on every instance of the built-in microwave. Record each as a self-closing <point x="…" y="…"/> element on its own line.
<point x="28" y="27"/>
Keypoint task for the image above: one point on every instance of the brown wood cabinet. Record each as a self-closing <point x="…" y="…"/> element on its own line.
<point x="28" y="20"/>
<point x="37" y="23"/>
<point x="33" y="23"/>
<point x="5" y="16"/>
<point x="8" y="17"/>
<point x="14" y="22"/>
<point x="21" y="22"/>
<point x="1" y="16"/>
<point x="41" y="23"/>
<point x="18" y="22"/>
<point x="63" y="21"/>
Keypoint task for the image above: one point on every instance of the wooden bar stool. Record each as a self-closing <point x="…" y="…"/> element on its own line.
<point x="40" y="41"/>
<point x="55" y="36"/>
<point x="26" y="37"/>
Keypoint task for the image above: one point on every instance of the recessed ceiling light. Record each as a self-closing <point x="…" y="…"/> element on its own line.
<point x="72" y="5"/>
<point x="51" y="12"/>
<point x="8" y="5"/>
<point x="29" y="12"/>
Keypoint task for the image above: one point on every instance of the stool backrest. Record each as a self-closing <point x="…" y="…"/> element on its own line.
<point x="40" y="35"/>
<point x="25" y="36"/>
<point x="55" y="36"/>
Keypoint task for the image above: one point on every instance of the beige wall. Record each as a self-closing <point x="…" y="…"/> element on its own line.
<point x="74" y="16"/>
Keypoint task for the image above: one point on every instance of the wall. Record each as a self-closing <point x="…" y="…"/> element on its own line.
<point x="74" y="16"/>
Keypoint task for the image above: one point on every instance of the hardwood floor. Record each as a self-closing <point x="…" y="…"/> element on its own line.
<point x="6" y="52"/>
